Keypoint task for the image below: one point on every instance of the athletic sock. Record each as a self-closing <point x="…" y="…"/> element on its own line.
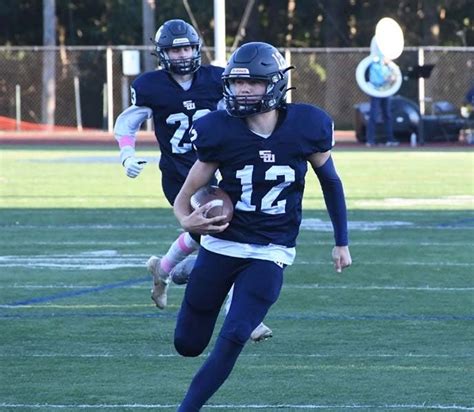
<point x="182" y="247"/>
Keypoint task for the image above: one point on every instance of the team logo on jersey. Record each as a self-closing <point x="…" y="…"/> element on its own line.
<point x="189" y="104"/>
<point x="267" y="156"/>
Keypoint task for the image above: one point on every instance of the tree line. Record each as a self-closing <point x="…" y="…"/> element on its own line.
<point x="291" y="23"/>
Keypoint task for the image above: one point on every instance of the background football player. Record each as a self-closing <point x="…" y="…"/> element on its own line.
<point x="261" y="147"/>
<point x="174" y="97"/>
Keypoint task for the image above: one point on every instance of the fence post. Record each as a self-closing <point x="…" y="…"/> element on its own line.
<point x="125" y="93"/>
<point x="421" y="97"/>
<point x="110" y="92"/>
<point x="77" y="99"/>
<point x="104" y="106"/>
<point x="18" y="106"/>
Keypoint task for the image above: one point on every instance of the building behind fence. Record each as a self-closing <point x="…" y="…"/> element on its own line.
<point x="91" y="89"/>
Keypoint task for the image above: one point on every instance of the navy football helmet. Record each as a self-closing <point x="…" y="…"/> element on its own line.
<point x="259" y="61"/>
<point x="178" y="33"/>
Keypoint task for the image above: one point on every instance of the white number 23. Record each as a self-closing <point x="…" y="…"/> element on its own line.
<point x="183" y="120"/>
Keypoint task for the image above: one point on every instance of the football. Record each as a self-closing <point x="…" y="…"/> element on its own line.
<point x="221" y="202"/>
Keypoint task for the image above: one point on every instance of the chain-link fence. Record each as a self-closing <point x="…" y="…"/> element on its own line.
<point x="82" y="77"/>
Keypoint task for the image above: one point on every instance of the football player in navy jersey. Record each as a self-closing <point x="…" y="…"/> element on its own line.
<point x="174" y="97"/>
<point x="261" y="146"/>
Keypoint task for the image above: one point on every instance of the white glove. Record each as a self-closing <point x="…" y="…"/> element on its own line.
<point x="133" y="166"/>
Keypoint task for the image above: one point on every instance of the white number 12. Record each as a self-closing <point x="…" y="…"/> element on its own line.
<point x="245" y="177"/>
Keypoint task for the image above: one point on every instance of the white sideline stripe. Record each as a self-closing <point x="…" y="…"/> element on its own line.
<point x="315" y="224"/>
<point x="420" y="201"/>
<point x="82" y="306"/>
<point x="348" y="287"/>
<point x="108" y="260"/>
<point x="286" y="286"/>
<point x="454" y="226"/>
<point x="310" y="224"/>
<point x="94" y="227"/>
<point x="113" y="243"/>
<point x="241" y="406"/>
<point x="391" y="263"/>
<point x="259" y="355"/>
<point x="134" y="306"/>
<point x="97" y="242"/>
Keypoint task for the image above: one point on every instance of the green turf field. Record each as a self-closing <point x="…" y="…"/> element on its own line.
<point x="393" y="332"/>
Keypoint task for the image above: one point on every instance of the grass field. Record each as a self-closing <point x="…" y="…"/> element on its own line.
<point x="393" y="332"/>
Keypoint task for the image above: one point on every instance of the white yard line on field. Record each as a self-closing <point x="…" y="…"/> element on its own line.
<point x="421" y="406"/>
<point x="311" y="224"/>
<point x="109" y="259"/>
<point x="115" y="243"/>
<point x="424" y="288"/>
<point x="244" y="355"/>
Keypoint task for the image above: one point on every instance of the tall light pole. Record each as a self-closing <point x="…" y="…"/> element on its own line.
<point x="220" y="57"/>
<point x="148" y="19"/>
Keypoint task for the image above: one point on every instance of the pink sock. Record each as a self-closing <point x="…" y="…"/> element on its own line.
<point x="178" y="251"/>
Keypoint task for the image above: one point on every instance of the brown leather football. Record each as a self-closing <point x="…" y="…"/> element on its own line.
<point x="222" y="204"/>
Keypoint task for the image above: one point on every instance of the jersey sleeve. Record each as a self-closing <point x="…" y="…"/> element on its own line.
<point x="319" y="133"/>
<point x="205" y="138"/>
<point x="140" y="91"/>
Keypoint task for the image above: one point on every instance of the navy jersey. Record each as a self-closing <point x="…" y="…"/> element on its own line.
<point x="174" y="111"/>
<point x="264" y="177"/>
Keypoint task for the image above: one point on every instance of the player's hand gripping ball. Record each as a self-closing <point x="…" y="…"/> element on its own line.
<point x="221" y="204"/>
